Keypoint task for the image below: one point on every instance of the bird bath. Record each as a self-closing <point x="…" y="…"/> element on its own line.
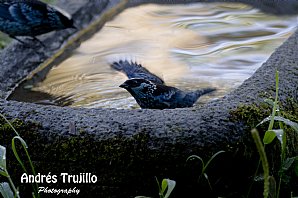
<point x="189" y="46"/>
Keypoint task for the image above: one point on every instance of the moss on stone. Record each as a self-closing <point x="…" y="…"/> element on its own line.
<point x="251" y="114"/>
<point x="290" y="110"/>
<point x="23" y="128"/>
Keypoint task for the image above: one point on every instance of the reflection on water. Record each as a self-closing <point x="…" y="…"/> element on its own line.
<point x="189" y="46"/>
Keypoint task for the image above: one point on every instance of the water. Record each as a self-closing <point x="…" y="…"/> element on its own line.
<point x="189" y="46"/>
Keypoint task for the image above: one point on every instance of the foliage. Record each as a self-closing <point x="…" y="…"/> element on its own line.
<point x="270" y="134"/>
<point x="4" y="189"/>
<point x="165" y="189"/>
<point x="205" y="166"/>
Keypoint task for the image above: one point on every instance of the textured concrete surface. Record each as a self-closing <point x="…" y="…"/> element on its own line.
<point x="127" y="148"/>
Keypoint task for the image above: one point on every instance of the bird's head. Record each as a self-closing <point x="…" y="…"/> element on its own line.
<point x="134" y="83"/>
<point x="139" y="86"/>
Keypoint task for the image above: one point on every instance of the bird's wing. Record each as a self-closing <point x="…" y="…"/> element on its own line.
<point x="134" y="70"/>
<point x="166" y="93"/>
<point x="23" y="11"/>
<point x="31" y="11"/>
<point x="4" y="12"/>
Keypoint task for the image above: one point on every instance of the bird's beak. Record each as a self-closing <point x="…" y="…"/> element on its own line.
<point x="123" y="85"/>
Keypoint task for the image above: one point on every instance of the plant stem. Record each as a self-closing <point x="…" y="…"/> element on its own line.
<point x="278" y="189"/>
<point x="256" y="172"/>
<point x="12" y="185"/>
<point x="9" y="124"/>
<point x="275" y="102"/>
<point x="264" y="160"/>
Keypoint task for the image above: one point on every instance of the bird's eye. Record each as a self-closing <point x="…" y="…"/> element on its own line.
<point x="135" y="84"/>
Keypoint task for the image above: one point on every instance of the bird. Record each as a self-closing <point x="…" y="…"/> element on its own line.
<point x="150" y="91"/>
<point x="31" y="18"/>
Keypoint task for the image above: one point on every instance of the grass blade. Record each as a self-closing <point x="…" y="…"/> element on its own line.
<point x="192" y="157"/>
<point x="288" y="122"/>
<point x="213" y="156"/>
<point x="275" y="101"/>
<point x="265" y="164"/>
<point x="171" y="185"/>
<point x="9" y="124"/>
<point x="15" y="150"/>
<point x="2" y="157"/>
<point x="5" y="190"/>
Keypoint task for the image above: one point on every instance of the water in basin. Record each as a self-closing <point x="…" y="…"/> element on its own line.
<point x="190" y="46"/>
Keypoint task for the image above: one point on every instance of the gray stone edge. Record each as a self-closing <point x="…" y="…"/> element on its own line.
<point x="106" y="122"/>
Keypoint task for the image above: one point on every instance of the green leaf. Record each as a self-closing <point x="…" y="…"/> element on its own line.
<point x="206" y="176"/>
<point x="210" y="160"/>
<point x="21" y="140"/>
<point x="265" y="120"/>
<point x="3" y="173"/>
<point x="9" y="124"/>
<point x="2" y="157"/>
<point x="164" y="185"/>
<point x="171" y="185"/>
<point x="279" y="134"/>
<point x="288" y="122"/>
<point x="272" y="187"/>
<point x="159" y="188"/>
<point x="269" y="101"/>
<point x="14" y="150"/>
<point x="275" y="106"/>
<point x="192" y="157"/>
<point x="269" y="137"/>
<point x="5" y="190"/>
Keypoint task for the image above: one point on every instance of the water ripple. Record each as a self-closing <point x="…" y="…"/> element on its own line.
<point x="189" y="46"/>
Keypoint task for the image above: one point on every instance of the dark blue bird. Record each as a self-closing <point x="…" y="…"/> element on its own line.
<point x="31" y="18"/>
<point x="150" y="92"/>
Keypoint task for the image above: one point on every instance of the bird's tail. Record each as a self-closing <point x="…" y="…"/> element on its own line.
<point x="204" y="91"/>
<point x="194" y="96"/>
